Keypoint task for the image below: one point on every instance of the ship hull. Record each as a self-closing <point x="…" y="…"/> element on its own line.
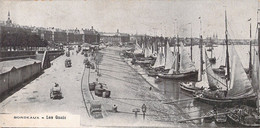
<point x="237" y="122"/>
<point x="247" y="100"/>
<point x="189" y="75"/>
<point x="189" y="89"/>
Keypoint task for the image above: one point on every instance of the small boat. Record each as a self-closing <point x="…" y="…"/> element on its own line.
<point x="244" y="116"/>
<point x="220" y="118"/>
<point x="189" y="75"/>
<point x="209" y="117"/>
<point x="214" y="115"/>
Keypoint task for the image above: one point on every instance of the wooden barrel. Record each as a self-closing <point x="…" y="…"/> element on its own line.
<point x="106" y="94"/>
<point x="99" y="91"/>
<point x="92" y="86"/>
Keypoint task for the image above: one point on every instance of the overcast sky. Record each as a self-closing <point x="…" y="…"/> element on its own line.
<point x="141" y="16"/>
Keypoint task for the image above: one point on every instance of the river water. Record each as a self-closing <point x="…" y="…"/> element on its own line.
<point x="171" y="89"/>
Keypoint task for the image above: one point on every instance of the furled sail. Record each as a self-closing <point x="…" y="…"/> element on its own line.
<point x="214" y="81"/>
<point x="138" y="49"/>
<point x="173" y="66"/>
<point x="240" y="85"/>
<point x="169" y="57"/>
<point x="150" y="52"/>
<point x="160" y="60"/>
<point x="186" y="65"/>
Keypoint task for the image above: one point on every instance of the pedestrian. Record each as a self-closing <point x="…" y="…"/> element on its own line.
<point x="114" y="108"/>
<point x="151" y="88"/>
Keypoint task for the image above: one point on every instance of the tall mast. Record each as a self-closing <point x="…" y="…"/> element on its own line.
<point x="211" y="47"/>
<point x="157" y="45"/>
<point x="258" y="30"/>
<point x="178" y="54"/>
<point x="151" y="40"/>
<point x="227" y="55"/>
<point x="201" y="56"/>
<point x="178" y="44"/>
<point x="174" y="42"/>
<point x="250" y="53"/>
<point x="201" y="45"/>
<point x="191" y="42"/>
<point x="165" y="48"/>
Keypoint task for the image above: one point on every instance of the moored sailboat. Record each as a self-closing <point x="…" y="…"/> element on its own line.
<point x="163" y="61"/>
<point x="142" y="55"/>
<point x="202" y="78"/>
<point x="184" y="69"/>
<point x="245" y="115"/>
<point x="238" y="86"/>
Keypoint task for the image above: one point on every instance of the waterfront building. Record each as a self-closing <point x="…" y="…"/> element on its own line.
<point x="115" y="37"/>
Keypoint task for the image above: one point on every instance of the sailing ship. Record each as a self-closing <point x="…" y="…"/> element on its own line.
<point x="163" y="61"/>
<point x="202" y="78"/>
<point x="238" y="86"/>
<point x="182" y="67"/>
<point x="246" y="115"/>
<point x="142" y="54"/>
